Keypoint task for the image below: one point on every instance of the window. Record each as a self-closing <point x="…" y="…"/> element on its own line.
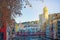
<point x="1" y="36"/>
<point x="58" y="36"/>
<point x="0" y="14"/>
<point x="58" y="23"/>
<point x="1" y="22"/>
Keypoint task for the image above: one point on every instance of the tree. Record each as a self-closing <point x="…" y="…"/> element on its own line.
<point x="11" y="8"/>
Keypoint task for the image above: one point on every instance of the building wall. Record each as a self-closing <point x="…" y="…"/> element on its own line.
<point x="50" y="24"/>
<point x="31" y="24"/>
<point x="41" y="21"/>
<point x="58" y="33"/>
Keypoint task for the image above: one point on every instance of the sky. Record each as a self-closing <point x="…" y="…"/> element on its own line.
<point x="32" y="13"/>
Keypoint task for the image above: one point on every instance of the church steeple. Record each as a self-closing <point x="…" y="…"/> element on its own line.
<point x="45" y="12"/>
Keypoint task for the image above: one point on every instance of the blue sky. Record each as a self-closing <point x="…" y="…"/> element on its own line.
<point x="32" y="13"/>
